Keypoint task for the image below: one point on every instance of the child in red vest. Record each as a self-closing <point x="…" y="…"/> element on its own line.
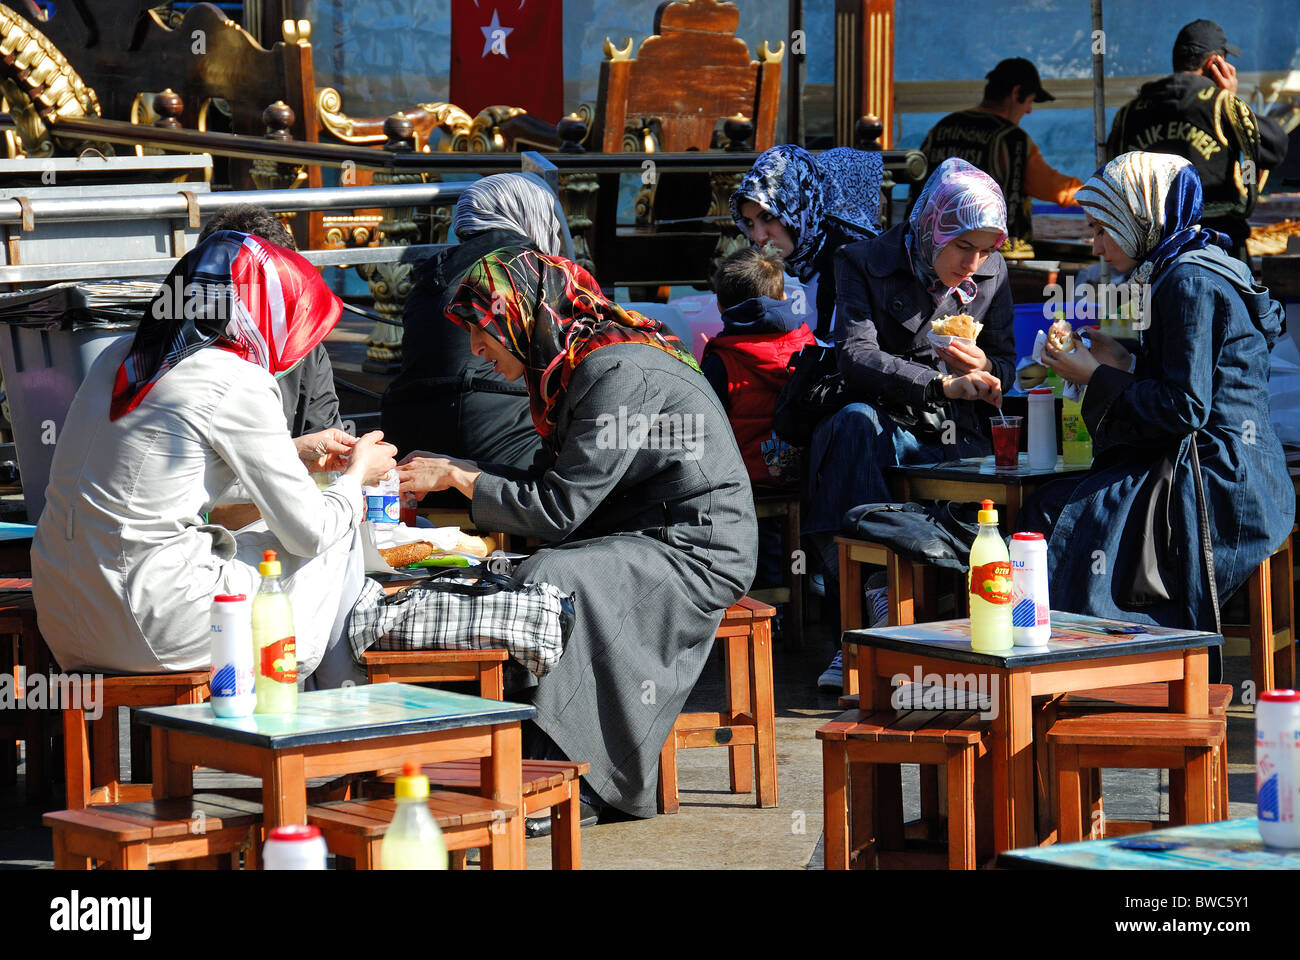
<point x="748" y="364"/>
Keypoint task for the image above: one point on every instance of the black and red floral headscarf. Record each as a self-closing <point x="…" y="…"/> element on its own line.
<point x="549" y="313"/>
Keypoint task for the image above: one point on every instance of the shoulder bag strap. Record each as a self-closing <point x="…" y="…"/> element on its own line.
<point x="1203" y="523"/>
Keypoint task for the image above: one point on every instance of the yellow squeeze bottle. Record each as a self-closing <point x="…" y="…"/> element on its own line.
<point x="989" y="585"/>
<point x="413" y="840"/>
<point x="275" y="648"/>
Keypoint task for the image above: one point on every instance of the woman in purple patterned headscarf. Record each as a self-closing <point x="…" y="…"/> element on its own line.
<point x="915" y="402"/>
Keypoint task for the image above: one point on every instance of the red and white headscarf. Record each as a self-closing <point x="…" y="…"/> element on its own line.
<point x="237" y="292"/>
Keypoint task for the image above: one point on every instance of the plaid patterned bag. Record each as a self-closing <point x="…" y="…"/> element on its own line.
<point x="530" y="620"/>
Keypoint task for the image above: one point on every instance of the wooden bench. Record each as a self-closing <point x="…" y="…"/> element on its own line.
<point x="94" y="775"/>
<point x="131" y="836"/>
<point x="484" y="667"/>
<point x="749" y="721"/>
<point x="547" y="785"/>
<point x="1136" y="741"/>
<point x="954" y="740"/>
<point x="1268" y="636"/>
<point x="779" y="502"/>
<point x="355" y="828"/>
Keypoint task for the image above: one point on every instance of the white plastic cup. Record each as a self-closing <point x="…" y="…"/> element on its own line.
<point x="1031" y="620"/>
<point x="230" y="673"/>
<point x="1277" y="767"/>
<point x="295" y="847"/>
<point x="1042" y="429"/>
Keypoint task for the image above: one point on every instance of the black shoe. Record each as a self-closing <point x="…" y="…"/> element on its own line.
<point x="541" y="826"/>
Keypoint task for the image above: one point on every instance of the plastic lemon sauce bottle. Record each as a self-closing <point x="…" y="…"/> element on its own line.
<point x="275" y="648"/>
<point x="989" y="585"/>
<point x="413" y="840"/>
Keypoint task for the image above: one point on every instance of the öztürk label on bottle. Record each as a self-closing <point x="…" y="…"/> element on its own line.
<point x="991" y="582"/>
<point x="280" y="661"/>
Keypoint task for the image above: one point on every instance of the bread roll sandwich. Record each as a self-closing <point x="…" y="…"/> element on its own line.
<point x="1063" y="338"/>
<point x="407" y="554"/>
<point x="961" y="325"/>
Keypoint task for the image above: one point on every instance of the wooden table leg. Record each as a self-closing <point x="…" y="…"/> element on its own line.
<point x="1191" y="696"/>
<point x="762" y="703"/>
<point x="1011" y="742"/>
<point x="170" y="779"/>
<point x="835" y="809"/>
<point x="491" y="681"/>
<point x="740" y="759"/>
<point x="850" y="615"/>
<point x="502" y="778"/>
<point x="284" y="789"/>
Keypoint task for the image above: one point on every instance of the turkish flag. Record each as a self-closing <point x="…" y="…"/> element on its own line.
<point x="508" y="53"/>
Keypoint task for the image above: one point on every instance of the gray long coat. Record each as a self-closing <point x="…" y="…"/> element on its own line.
<point x="657" y="537"/>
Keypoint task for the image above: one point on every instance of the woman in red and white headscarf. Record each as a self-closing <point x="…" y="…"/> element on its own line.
<point x="166" y="423"/>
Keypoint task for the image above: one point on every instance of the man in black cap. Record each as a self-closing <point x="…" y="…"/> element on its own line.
<point x="1196" y="114"/>
<point x="989" y="137"/>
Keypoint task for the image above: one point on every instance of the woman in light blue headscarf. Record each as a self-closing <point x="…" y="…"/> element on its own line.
<point x="808" y="207"/>
<point x="1197" y="384"/>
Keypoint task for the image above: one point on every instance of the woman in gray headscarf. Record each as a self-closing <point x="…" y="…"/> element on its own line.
<point x="445" y="398"/>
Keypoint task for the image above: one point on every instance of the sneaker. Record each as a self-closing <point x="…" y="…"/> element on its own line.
<point x="817" y="585"/>
<point x="832" y="677"/>
<point x="877" y="607"/>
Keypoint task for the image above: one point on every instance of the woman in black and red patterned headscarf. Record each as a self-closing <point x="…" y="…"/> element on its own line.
<point x="642" y="492"/>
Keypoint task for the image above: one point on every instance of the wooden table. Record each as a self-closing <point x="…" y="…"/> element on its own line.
<point x="348" y="730"/>
<point x="1080" y="655"/>
<point x="976" y="478"/>
<point x="1225" y="845"/>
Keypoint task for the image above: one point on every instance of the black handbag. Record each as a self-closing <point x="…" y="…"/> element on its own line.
<point x="816" y="390"/>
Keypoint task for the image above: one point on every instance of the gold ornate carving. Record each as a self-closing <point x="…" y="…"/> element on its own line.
<point x="767" y="55"/>
<point x="578" y="198"/>
<point x="297" y="32"/>
<point x="485" y="130"/>
<point x="614" y="53"/>
<point x="40" y="85"/>
<point x="390" y="282"/>
<point x="329" y="107"/>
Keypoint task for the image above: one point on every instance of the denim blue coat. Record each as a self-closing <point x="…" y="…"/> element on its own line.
<point x="1203" y="368"/>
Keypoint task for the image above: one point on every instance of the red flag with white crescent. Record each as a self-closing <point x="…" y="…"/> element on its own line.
<point x="508" y="53"/>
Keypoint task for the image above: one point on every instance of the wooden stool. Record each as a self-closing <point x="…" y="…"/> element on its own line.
<point x="97" y="778"/>
<point x="1136" y="741"/>
<point x="750" y="717"/>
<point x="912" y="592"/>
<point x="355" y="828"/>
<point x="771" y="501"/>
<point x="954" y="740"/>
<point x="1268" y="636"/>
<point x="24" y="650"/>
<point x="484" y="667"/>
<point x="130" y="836"/>
<point x="547" y="785"/>
<point x="1142" y="698"/>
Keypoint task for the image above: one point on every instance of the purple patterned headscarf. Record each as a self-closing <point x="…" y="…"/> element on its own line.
<point x="958" y="197"/>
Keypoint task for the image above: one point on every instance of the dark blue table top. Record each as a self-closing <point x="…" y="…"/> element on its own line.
<point x="342" y="715"/>
<point x="1074" y="637"/>
<point x="983" y="470"/>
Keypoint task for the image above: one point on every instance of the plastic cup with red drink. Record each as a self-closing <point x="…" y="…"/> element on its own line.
<point x="1006" y="442"/>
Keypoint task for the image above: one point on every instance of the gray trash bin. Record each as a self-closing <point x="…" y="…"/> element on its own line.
<point x="48" y="340"/>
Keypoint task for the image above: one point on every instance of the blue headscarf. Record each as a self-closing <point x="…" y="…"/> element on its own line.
<point x="1150" y="204"/>
<point x="806" y="195"/>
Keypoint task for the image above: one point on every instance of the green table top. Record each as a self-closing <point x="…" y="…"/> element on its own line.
<point x="344" y="714"/>
<point x="1226" y="845"/>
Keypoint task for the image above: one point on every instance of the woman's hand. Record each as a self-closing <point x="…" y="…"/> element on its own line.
<point x="1077" y="366"/>
<point x="326" y="450"/>
<point x="1108" y="350"/>
<point x="371" y="458"/>
<point x="422" y="472"/>
<point x="975" y="385"/>
<point x="962" y="357"/>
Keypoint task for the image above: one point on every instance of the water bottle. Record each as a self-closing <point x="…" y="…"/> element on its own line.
<point x="231" y="671"/>
<point x="413" y="840"/>
<point x="989" y="585"/>
<point x="1277" y="767"/>
<point x="383" y="504"/>
<point x="275" y="642"/>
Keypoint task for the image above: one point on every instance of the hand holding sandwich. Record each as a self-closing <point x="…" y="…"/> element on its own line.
<point x="1064" y="355"/>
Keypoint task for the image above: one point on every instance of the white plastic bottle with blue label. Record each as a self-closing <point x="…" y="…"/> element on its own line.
<point x="231" y="675"/>
<point x="1277" y="767"/>
<point x="383" y="502"/>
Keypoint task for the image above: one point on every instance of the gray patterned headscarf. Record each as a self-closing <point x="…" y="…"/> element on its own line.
<point x="522" y="202"/>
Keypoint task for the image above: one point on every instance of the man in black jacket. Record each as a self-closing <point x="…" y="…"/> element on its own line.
<point x="1196" y="114"/>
